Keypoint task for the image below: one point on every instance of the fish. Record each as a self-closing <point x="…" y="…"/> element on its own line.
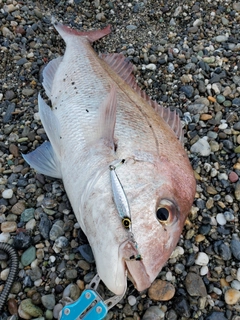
<point x="120" y="156"/>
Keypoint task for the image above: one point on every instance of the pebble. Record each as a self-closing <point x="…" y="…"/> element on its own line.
<point x="221" y="219"/>
<point x="48" y="301"/>
<point x="28" y="256"/>
<point x="202" y="259"/>
<point x="12" y="306"/>
<point x="215" y="315"/>
<point x="7" y="194"/>
<point x="201" y="147"/>
<point x="195" y="285"/>
<point x="56" y="230"/>
<point x="22" y="241"/>
<point x="29" y="308"/>
<point x="8" y="226"/>
<point x="86" y="252"/>
<point x="27" y="215"/>
<point x="235" y="247"/>
<point x="153" y="313"/>
<point x="161" y="290"/>
<point x="132" y="300"/>
<point x="4" y="274"/>
<point x="232" y="296"/>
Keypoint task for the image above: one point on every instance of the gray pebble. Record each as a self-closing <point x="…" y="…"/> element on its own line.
<point x="48" y="301"/>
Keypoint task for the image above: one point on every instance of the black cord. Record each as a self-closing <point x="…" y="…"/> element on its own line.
<point x="12" y="274"/>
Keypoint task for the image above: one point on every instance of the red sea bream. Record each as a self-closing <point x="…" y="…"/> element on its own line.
<point x="120" y="157"/>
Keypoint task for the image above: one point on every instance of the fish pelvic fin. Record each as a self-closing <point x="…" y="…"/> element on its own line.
<point x="49" y="74"/>
<point x="44" y="160"/>
<point x="124" y="69"/>
<point x="92" y="36"/>
<point x="51" y="125"/>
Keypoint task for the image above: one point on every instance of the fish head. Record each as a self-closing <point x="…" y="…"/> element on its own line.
<point x="160" y="197"/>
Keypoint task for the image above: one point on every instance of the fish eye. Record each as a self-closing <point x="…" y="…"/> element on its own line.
<point x="162" y="214"/>
<point x="166" y="212"/>
<point x="126" y="222"/>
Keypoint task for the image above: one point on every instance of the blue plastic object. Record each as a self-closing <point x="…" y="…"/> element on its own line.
<point x="88" y="307"/>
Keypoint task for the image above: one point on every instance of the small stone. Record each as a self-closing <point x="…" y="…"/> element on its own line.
<point x="235" y="247"/>
<point x="86" y="252"/>
<point x="71" y="274"/>
<point x="153" y="313"/>
<point x="18" y="207"/>
<point x="204" y="270"/>
<point x="28" y="92"/>
<point x="35" y="273"/>
<point x="181" y="306"/>
<point x="202" y="259"/>
<point x="4" y="274"/>
<point x="12" y="306"/>
<point x="237" y="191"/>
<point x="44" y="226"/>
<point x="8" y="226"/>
<point x="221" y="38"/>
<point x="7" y="194"/>
<point x="27" y="215"/>
<point x="22" y="241"/>
<point x="195" y="285"/>
<point x="232" y="296"/>
<point x="75" y="292"/>
<point x="132" y="300"/>
<point x="28" y="256"/>
<point x="161" y="290"/>
<point x="233" y="177"/>
<point x="56" y="310"/>
<point x="28" y="307"/>
<point x="215" y="315"/>
<point x="221" y="219"/>
<point x="201" y="147"/>
<point x="49" y="301"/>
<point x="187" y="90"/>
<point x="205" y="116"/>
<point x="56" y="230"/>
<point x="131" y="27"/>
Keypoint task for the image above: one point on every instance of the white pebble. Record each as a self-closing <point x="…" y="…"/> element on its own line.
<point x="151" y="66"/>
<point x="4" y="237"/>
<point x="223" y="126"/>
<point x="229" y="198"/>
<point x="4" y="274"/>
<point x="38" y="282"/>
<point x="204" y="270"/>
<point x="31" y="224"/>
<point x="7" y="194"/>
<point x="58" y="307"/>
<point x="214" y="172"/>
<point x="221" y="219"/>
<point x="52" y="258"/>
<point x="169" y="276"/>
<point x="222" y="176"/>
<point x="201" y="147"/>
<point x="202" y="259"/>
<point x="177" y="252"/>
<point x="132" y="300"/>
<point x="1" y="96"/>
<point x="235" y="284"/>
<point x="217" y="291"/>
<point x="34" y="263"/>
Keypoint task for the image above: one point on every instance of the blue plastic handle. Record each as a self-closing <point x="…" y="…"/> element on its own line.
<point x="74" y="310"/>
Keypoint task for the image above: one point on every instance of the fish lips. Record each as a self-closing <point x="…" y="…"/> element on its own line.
<point x="134" y="266"/>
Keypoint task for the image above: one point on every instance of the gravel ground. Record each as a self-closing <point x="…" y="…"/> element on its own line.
<point x="186" y="56"/>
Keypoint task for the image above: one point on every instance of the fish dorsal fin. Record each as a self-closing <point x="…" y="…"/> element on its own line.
<point x="49" y="74"/>
<point x="92" y="36"/>
<point x="124" y="69"/>
<point x="51" y="125"/>
<point x="44" y="160"/>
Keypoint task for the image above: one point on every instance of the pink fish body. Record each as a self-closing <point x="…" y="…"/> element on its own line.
<point x="98" y="118"/>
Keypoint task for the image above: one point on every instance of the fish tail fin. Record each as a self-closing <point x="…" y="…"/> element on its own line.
<point x="92" y="36"/>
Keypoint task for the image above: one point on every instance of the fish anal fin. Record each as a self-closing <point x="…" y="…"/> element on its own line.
<point x="124" y="68"/>
<point x="92" y="36"/>
<point x="49" y="74"/>
<point x="44" y="160"/>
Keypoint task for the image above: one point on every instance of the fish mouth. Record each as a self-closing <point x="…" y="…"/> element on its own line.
<point x="134" y="266"/>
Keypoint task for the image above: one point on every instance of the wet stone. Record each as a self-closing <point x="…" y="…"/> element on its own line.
<point x="22" y="241"/>
<point x="8" y="115"/>
<point x="232" y="296"/>
<point x="181" y="306"/>
<point x="187" y="90"/>
<point x="28" y="307"/>
<point x="235" y="247"/>
<point x="71" y="274"/>
<point x="195" y="285"/>
<point x="35" y="273"/>
<point x="56" y="230"/>
<point x="48" y="301"/>
<point x="44" y="226"/>
<point x="152" y="313"/>
<point x="86" y="252"/>
<point x="12" y="306"/>
<point x="27" y="215"/>
<point x="161" y="290"/>
<point x="28" y="256"/>
<point x="215" y="315"/>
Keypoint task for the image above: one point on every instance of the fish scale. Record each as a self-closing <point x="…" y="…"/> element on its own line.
<point x="100" y="117"/>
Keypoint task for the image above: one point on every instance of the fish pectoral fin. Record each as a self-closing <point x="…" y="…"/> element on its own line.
<point x="105" y="122"/>
<point x="124" y="68"/>
<point x="49" y="74"/>
<point x="51" y="124"/>
<point x="44" y="160"/>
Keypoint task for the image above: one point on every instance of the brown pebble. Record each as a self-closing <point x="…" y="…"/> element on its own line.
<point x="233" y="177"/>
<point x="36" y="298"/>
<point x="19" y="207"/>
<point x="161" y="290"/>
<point x="205" y="116"/>
<point x="199" y="237"/>
<point x="8" y="226"/>
<point x="224" y="283"/>
<point x="12" y="306"/>
<point x="232" y="296"/>
<point x="211" y="99"/>
<point x="14" y="150"/>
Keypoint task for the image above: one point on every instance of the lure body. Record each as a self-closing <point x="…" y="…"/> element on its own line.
<point x="99" y="116"/>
